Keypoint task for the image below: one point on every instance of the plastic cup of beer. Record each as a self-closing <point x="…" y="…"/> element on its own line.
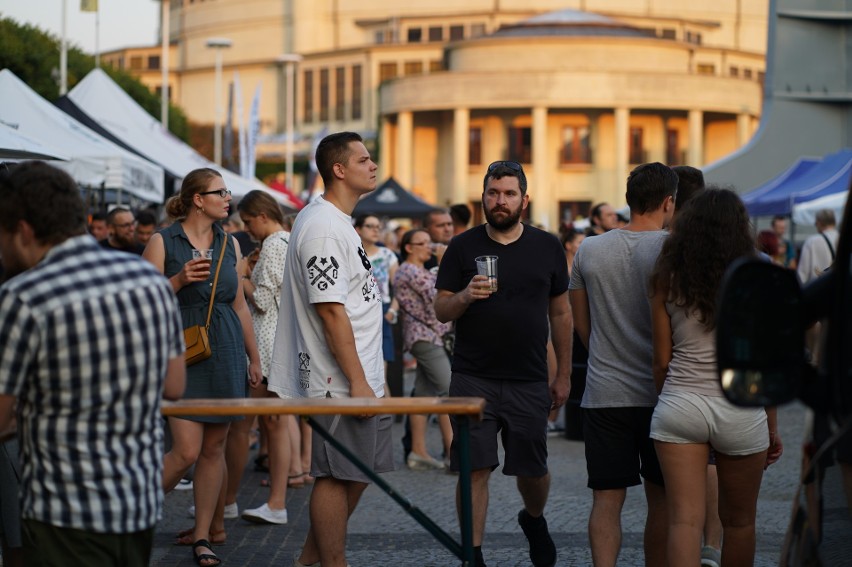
<point x="487" y="266"/>
<point x="206" y="253"/>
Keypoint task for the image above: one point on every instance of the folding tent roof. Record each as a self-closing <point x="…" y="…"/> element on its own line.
<point x="15" y="146"/>
<point x="93" y="160"/>
<point x="104" y="101"/>
<point x="801" y="183"/>
<point x="391" y="200"/>
<point x="806" y="212"/>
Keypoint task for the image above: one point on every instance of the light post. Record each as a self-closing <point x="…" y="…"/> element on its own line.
<point x="218" y="43"/>
<point x="289" y="60"/>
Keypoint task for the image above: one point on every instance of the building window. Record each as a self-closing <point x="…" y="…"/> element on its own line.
<point x="673" y="153"/>
<point x="436" y="33"/>
<point x="387" y="71"/>
<point x="635" y="146"/>
<point x="734" y="71"/>
<point x="520" y="145"/>
<point x="153" y="62"/>
<point x="474" y="148"/>
<point x="706" y="69"/>
<point x="323" y="95"/>
<point x="761" y="77"/>
<point x="668" y="33"/>
<point x="747" y="73"/>
<point x="136" y="63"/>
<point x="456" y="33"/>
<point x="575" y="145"/>
<point x="379" y="37"/>
<point x="413" y="68"/>
<point x="340" y="94"/>
<point x="415" y="35"/>
<point x="308" y="109"/>
<point x="477" y="30"/>
<point x="436" y="65"/>
<point x="356" y="92"/>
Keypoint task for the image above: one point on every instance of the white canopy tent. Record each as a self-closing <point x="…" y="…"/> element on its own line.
<point x="93" y="160"/>
<point x="806" y="212"/>
<point x="16" y="146"/>
<point x="103" y="100"/>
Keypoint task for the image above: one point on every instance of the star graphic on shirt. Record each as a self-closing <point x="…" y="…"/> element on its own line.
<point x="323" y="261"/>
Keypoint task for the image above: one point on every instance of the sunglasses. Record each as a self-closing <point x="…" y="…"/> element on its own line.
<point x="221" y="192"/>
<point x="513" y="165"/>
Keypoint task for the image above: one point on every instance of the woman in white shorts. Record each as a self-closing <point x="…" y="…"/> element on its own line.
<point x="692" y="414"/>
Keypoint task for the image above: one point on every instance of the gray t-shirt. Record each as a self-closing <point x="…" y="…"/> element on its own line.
<point x="614" y="269"/>
<point x="693" y="364"/>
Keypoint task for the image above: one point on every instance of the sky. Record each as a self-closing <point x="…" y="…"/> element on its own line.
<point x="123" y="23"/>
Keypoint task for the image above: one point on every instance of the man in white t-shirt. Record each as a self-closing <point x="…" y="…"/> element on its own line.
<point x="818" y="250"/>
<point x="328" y="342"/>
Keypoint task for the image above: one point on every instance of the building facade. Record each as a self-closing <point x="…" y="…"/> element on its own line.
<point x="578" y="91"/>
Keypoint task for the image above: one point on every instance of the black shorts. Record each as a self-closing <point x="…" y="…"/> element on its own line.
<point x="517" y="409"/>
<point x="619" y="448"/>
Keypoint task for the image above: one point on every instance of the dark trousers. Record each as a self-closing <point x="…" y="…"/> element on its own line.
<point x="51" y="546"/>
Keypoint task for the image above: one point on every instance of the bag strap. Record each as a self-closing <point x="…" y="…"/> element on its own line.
<point x="215" y="282"/>
<point x="419" y="320"/>
<point x="830" y="247"/>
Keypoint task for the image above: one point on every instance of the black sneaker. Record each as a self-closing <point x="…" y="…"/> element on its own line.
<point x="542" y="548"/>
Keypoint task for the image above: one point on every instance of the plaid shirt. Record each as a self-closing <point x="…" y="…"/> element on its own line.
<point x="85" y="338"/>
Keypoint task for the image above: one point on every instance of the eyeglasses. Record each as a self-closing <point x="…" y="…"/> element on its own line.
<point x="221" y="192"/>
<point x="372" y="226"/>
<point x="125" y="225"/>
<point x="420" y="243"/>
<point x="513" y="165"/>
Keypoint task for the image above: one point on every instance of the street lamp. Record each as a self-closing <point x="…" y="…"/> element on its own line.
<point x="289" y="60"/>
<point x="218" y="43"/>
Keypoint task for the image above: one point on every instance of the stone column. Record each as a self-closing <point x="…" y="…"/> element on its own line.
<point x="743" y="129"/>
<point x="695" y="152"/>
<point x="622" y="157"/>
<point x="384" y="157"/>
<point x="403" y="169"/>
<point x="545" y="209"/>
<point x="461" y="152"/>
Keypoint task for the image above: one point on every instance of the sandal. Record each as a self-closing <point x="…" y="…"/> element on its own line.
<point x="184" y="537"/>
<point x="204" y="556"/>
<point x="261" y="463"/>
<point x="296" y="481"/>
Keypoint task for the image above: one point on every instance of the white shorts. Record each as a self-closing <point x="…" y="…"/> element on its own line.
<point x="687" y="417"/>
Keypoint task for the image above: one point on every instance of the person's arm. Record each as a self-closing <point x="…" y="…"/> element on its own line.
<point x="776" y="447"/>
<point x="196" y="270"/>
<point x="450" y="306"/>
<point x="562" y="336"/>
<point x="340" y="339"/>
<point x="255" y="374"/>
<point x="263" y="284"/>
<point x="661" y="333"/>
<point x="582" y="319"/>
<point x="175" y="382"/>
<point x="8" y="423"/>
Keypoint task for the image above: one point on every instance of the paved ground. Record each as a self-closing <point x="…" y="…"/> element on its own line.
<point x="381" y="533"/>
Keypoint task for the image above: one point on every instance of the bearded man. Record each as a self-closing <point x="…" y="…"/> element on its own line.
<point x="501" y="348"/>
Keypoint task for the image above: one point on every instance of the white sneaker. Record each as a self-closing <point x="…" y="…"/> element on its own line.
<point x="232" y="511"/>
<point x="184" y="484"/>
<point x="417" y="463"/>
<point x="711" y="557"/>
<point x="266" y="515"/>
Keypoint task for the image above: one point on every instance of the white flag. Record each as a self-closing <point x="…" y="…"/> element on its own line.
<point x="253" y="132"/>
<point x="241" y="131"/>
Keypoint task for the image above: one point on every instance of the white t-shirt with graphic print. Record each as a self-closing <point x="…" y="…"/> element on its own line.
<point x="325" y="264"/>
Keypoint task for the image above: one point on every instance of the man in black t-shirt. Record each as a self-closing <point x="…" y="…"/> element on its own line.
<point x="500" y="350"/>
<point x="121" y="224"/>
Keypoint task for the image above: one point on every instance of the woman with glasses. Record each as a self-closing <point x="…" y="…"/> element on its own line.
<point x="202" y="203"/>
<point x="384" y="263"/>
<point x="422" y="337"/>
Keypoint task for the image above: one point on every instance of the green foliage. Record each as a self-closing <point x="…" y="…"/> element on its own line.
<point x="33" y="56"/>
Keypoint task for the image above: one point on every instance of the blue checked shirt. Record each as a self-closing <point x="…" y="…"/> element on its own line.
<point x="85" y="338"/>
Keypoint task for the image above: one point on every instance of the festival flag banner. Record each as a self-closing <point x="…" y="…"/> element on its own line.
<point x="88" y="5"/>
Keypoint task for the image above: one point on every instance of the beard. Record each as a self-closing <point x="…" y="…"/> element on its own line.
<point x="511" y="219"/>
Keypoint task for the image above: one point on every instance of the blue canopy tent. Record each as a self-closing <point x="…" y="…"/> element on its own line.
<point x="806" y="180"/>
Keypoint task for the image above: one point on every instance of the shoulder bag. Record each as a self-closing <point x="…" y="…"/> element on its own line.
<point x="196" y="338"/>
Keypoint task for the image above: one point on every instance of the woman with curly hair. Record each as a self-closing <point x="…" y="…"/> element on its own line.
<point x="692" y="414"/>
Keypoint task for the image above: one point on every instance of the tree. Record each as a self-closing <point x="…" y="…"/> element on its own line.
<point x="33" y="55"/>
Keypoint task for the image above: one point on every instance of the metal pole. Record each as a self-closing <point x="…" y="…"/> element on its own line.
<point x="98" y="36"/>
<point x="290" y="110"/>
<point x="217" y="132"/>
<point x="164" y="65"/>
<point x="63" y="53"/>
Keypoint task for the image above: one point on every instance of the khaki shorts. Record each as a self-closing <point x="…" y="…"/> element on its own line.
<point x="369" y="439"/>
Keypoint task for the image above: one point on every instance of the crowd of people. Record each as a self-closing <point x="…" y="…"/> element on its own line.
<point x="91" y="316"/>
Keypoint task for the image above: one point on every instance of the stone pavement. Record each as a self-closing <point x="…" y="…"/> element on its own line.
<point x="381" y="533"/>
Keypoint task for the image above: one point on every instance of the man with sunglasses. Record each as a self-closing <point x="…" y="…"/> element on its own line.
<point x="501" y="348"/>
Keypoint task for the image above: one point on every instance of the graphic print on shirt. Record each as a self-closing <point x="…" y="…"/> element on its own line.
<point x="370" y="289"/>
<point x="304" y="370"/>
<point x="322" y="271"/>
